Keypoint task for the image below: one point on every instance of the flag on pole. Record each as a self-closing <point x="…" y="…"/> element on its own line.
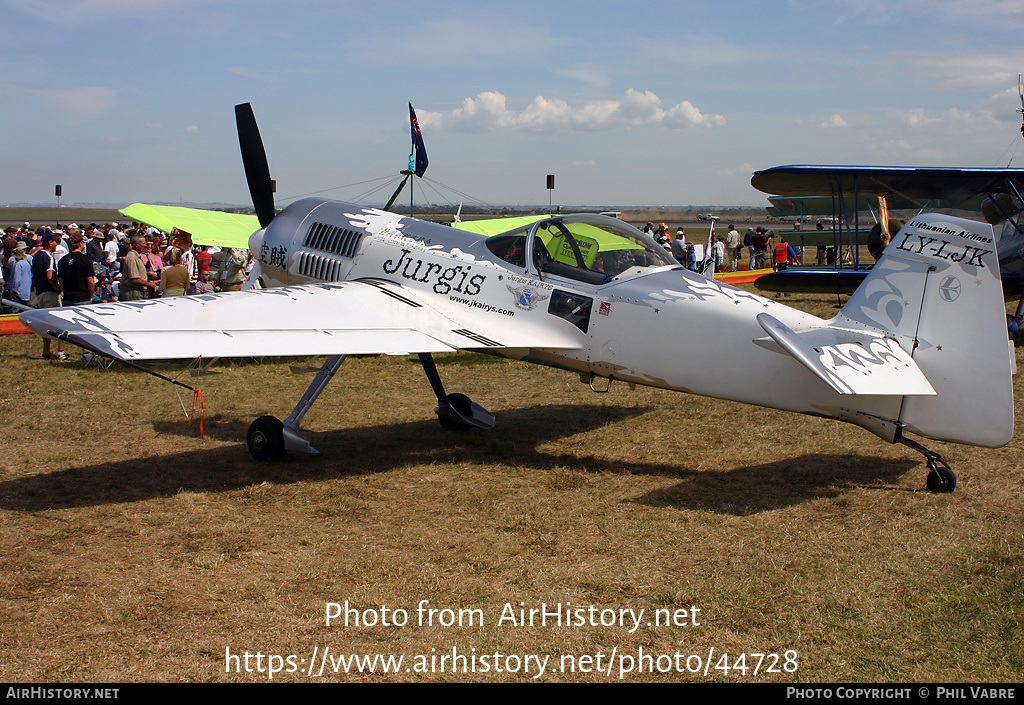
<point x="418" y="159"/>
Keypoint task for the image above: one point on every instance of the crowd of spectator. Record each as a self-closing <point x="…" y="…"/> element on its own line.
<point x="724" y="257"/>
<point x="73" y="266"/>
<point x="763" y="249"/>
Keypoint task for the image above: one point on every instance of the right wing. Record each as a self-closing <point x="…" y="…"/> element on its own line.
<point x="348" y="318"/>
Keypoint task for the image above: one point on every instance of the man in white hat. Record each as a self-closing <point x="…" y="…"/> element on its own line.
<point x="20" y="268"/>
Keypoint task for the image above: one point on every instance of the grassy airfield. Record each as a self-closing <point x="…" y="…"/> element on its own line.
<point x="133" y="550"/>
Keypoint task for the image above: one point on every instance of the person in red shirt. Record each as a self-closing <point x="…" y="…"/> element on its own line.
<point x="203" y="259"/>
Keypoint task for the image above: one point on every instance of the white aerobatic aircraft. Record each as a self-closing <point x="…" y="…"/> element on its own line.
<point x="920" y="348"/>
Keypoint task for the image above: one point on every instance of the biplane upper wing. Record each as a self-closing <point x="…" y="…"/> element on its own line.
<point x="214" y="228"/>
<point x="919" y="183"/>
<point x="347" y="318"/>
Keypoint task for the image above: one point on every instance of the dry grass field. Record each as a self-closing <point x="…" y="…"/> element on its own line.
<point x="133" y="550"/>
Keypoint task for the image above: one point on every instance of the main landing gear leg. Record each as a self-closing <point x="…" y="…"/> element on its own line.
<point x="269" y="438"/>
<point x="940" y="475"/>
<point x="456" y="412"/>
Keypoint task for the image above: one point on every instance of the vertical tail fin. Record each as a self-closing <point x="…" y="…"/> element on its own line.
<point x="937" y="291"/>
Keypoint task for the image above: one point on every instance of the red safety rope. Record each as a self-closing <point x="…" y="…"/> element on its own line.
<point x="197" y="398"/>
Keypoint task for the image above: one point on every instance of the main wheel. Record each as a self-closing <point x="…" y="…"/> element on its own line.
<point x="940" y="478"/>
<point x="266" y="438"/>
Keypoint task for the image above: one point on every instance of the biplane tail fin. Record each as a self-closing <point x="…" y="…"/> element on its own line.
<point x="936" y="291"/>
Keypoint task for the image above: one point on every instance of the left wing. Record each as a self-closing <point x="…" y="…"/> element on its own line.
<point x="206" y="227"/>
<point x="348" y="318"/>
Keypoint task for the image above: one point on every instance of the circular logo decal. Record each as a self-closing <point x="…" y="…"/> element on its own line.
<point x="949" y="289"/>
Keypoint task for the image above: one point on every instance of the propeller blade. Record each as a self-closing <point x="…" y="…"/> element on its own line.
<point x="254" y="160"/>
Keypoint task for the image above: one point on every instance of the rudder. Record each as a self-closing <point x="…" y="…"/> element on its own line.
<point x="937" y="291"/>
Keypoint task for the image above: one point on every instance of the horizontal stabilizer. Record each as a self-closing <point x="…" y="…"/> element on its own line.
<point x="851" y="362"/>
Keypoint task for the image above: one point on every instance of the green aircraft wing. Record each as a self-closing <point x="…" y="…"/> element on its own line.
<point x="206" y="227"/>
<point x="497" y="226"/>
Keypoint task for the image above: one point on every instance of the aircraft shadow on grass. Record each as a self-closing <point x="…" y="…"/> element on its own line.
<point x="383" y="448"/>
<point x="779" y="484"/>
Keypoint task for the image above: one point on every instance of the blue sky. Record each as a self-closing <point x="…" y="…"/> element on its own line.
<point x="643" y="103"/>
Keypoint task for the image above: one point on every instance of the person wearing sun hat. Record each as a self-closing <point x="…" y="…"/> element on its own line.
<point x="19" y="268"/>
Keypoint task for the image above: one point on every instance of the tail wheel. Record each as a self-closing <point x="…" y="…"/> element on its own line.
<point x="940" y="477"/>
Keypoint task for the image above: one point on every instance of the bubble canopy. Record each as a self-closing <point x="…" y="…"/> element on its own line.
<point x="593" y="249"/>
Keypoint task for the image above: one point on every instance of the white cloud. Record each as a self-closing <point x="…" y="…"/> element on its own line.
<point x="835" y="120"/>
<point x="639" y="108"/>
<point x="951" y="136"/>
<point x="599" y="114"/>
<point x="489" y="111"/>
<point x="485" y="112"/>
<point x="1005" y="102"/>
<point x="428" y="119"/>
<point x="914" y="117"/>
<point x="686" y="114"/>
<point x="192" y="129"/>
